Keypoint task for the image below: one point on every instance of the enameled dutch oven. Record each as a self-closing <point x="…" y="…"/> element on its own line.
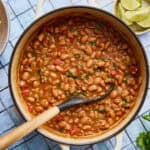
<point x="99" y="15"/>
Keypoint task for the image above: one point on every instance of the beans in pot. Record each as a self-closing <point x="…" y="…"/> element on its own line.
<point x="79" y="56"/>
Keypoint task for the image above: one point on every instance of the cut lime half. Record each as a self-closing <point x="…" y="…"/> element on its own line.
<point x="130" y="4"/>
<point x="145" y="23"/>
<point x="121" y="14"/>
<point x="137" y="15"/>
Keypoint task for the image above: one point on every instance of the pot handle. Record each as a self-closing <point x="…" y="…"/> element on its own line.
<point x="92" y="3"/>
<point x="64" y="147"/>
<point x="119" y="138"/>
<point x="39" y="8"/>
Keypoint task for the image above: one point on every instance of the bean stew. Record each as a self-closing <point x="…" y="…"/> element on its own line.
<point x="79" y="56"/>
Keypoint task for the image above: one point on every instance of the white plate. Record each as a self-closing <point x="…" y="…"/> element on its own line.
<point x="136" y="29"/>
<point x="4" y="26"/>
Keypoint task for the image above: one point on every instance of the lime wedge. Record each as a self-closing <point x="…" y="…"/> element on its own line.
<point x="121" y="13"/>
<point x="140" y="1"/>
<point x="137" y="15"/>
<point x="130" y="4"/>
<point x="145" y="23"/>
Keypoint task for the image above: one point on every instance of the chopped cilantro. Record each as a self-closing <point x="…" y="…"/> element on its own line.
<point x="74" y="93"/>
<point x="114" y="65"/>
<point x="93" y="43"/>
<point x="97" y="27"/>
<point x="96" y="68"/>
<point x="59" y="85"/>
<point x="67" y="93"/>
<point x="83" y="93"/>
<point x="39" y="71"/>
<point x="85" y="76"/>
<point x="101" y="111"/>
<point x="102" y="59"/>
<point x="143" y="140"/>
<point x="125" y="80"/>
<point x="33" y="54"/>
<point x="71" y="75"/>
<point x="146" y="117"/>
<point x="61" y="130"/>
<point x="77" y="55"/>
<point x="110" y="77"/>
<point x="124" y="102"/>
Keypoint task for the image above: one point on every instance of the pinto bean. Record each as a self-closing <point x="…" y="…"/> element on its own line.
<point x="114" y="94"/>
<point x="53" y="75"/>
<point x="89" y="63"/>
<point x="31" y="99"/>
<point x="25" y="76"/>
<point x="44" y="103"/>
<point x="36" y="83"/>
<point x="84" y="38"/>
<point x="92" y="88"/>
<point x="39" y="109"/>
<point x="59" y="68"/>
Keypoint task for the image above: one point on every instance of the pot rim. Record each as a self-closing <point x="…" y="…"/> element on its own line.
<point x="109" y="14"/>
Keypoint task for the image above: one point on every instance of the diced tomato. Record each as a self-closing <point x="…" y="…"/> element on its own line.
<point x="72" y="39"/>
<point x="58" y="61"/>
<point x="25" y="92"/>
<point x="78" y="71"/>
<point x="64" y="32"/>
<point x="30" y="107"/>
<point x="59" y="118"/>
<point x="51" y="101"/>
<point x="133" y="69"/>
<point x="113" y="72"/>
<point x="25" y="86"/>
<point x="73" y="131"/>
<point x="62" y="49"/>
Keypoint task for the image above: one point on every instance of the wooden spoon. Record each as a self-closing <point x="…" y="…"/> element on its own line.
<point x="24" y="129"/>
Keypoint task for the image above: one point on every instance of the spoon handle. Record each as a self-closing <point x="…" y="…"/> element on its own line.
<point x="24" y="129"/>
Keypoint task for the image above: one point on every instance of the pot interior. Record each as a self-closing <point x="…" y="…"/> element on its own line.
<point x="99" y="15"/>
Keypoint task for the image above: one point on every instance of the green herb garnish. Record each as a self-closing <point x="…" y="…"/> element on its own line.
<point x="77" y="55"/>
<point x="71" y="75"/>
<point x="97" y="27"/>
<point x="146" y="117"/>
<point x="39" y="71"/>
<point x="93" y="43"/>
<point x="59" y="85"/>
<point x="33" y="54"/>
<point x="67" y="93"/>
<point x="83" y="93"/>
<point x="143" y="140"/>
<point x="114" y="65"/>
<point x="102" y="59"/>
<point x="124" y="102"/>
<point x="125" y="81"/>
<point x="97" y="68"/>
<point x="85" y="76"/>
<point x="101" y="111"/>
<point x="61" y="130"/>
